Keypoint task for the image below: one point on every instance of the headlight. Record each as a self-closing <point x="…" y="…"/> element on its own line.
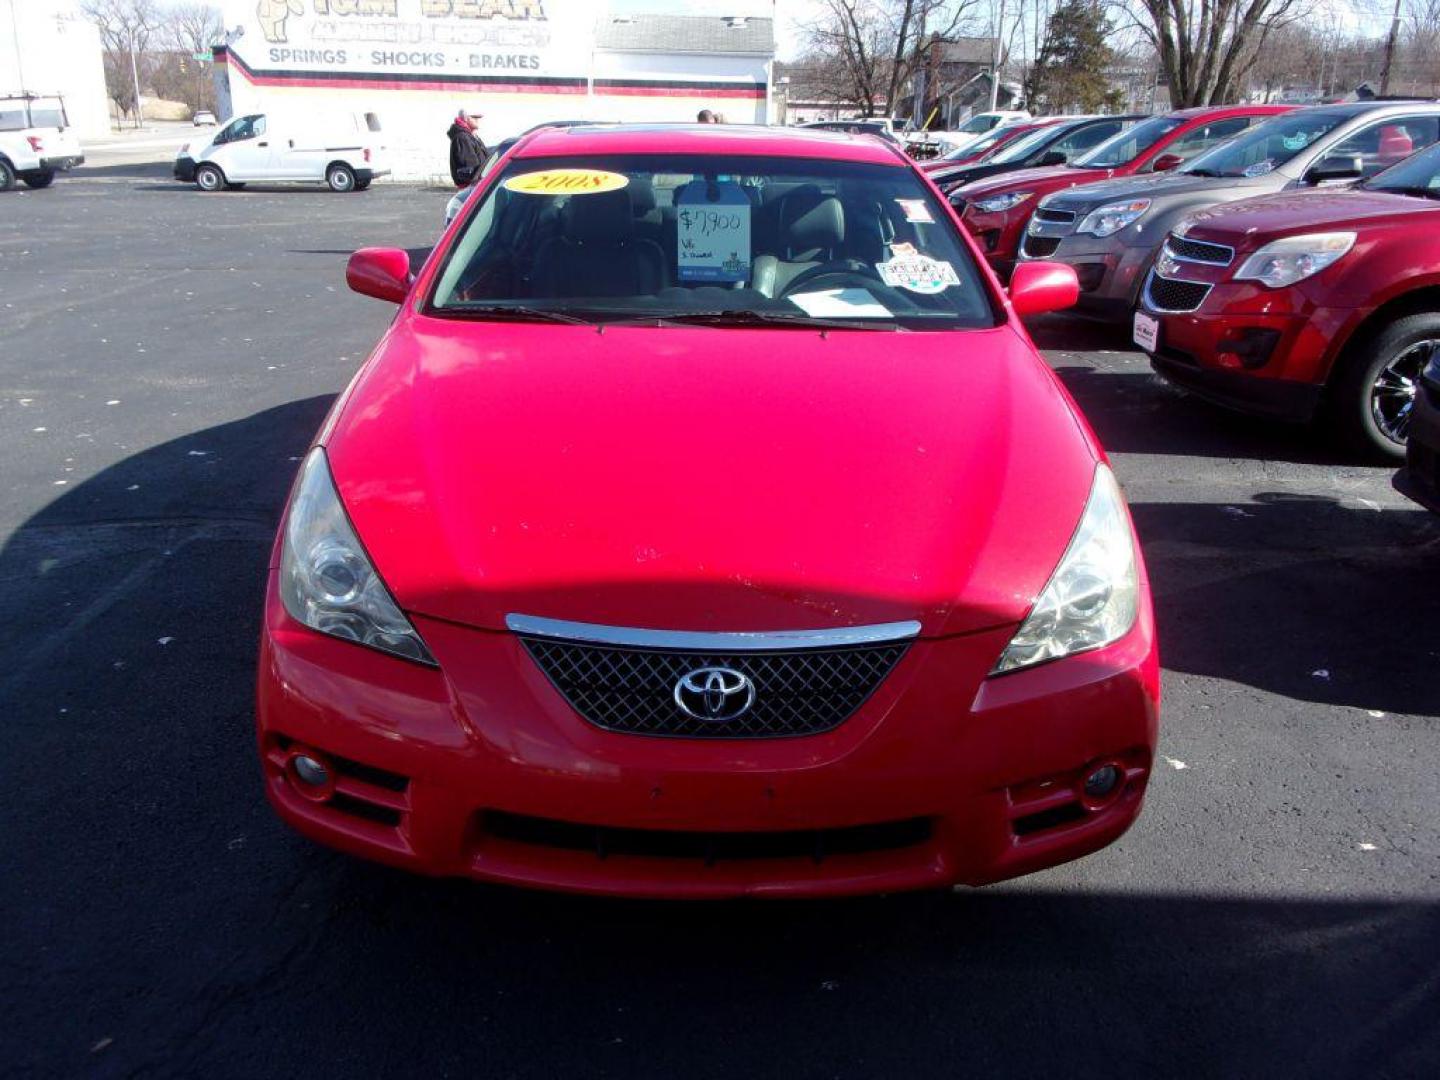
<point x="1093" y="595"/>
<point x="326" y="579"/>
<point x="1284" y="262"/>
<point x="456" y="202"/>
<point x="1112" y="217"/>
<point x="998" y="204"/>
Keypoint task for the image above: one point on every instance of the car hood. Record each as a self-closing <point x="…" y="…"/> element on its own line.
<point x="1308" y="210"/>
<point x="708" y="479"/>
<point x="1160" y="187"/>
<point x="1046" y="178"/>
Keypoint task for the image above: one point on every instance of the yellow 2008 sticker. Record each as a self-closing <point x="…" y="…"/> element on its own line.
<point x="567" y="182"/>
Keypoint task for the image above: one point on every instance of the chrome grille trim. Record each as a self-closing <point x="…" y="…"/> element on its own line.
<point x="1199" y="251"/>
<point x="706" y="641"/>
<point x="1198" y="290"/>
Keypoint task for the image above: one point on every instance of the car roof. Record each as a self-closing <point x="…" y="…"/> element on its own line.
<point x="1220" y="112"/>
<point x="745" y="139"/>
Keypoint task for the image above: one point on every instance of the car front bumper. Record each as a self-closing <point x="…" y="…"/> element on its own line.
<point x="1110" y="272"/>
<point x="1250" y="348"/>
<point x="958" y="778"/>
<point x="185" y="169"/>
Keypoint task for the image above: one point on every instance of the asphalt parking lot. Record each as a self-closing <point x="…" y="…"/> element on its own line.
<point x="167" y="357"/>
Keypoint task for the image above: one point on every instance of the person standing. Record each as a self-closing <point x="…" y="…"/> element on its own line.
<point x="467" y="152"/>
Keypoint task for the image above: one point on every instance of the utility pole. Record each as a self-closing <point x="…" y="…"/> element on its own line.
<point x="15" y="30"/>
<point x="922" y="54"/>
<point x="995" y="60"/>
<point x="1390" y="51"/>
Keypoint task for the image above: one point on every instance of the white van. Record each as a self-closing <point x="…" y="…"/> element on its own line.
<point x="341" y="152"/>
<point x="36" y="140"/>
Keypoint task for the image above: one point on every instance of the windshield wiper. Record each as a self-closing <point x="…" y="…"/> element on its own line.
<point x="751" y="317"/>
<point x="519" y="313"/>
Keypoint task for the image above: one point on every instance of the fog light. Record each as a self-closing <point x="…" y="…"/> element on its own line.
<point x="1102" y="781"/>
<point x="314" y="773"/>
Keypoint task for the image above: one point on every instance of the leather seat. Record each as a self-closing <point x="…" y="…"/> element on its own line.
<point x="811" y="232"/>
<point x="598" y="253"/>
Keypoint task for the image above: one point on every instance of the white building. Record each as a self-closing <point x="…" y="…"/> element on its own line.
<point x="48" y="47"/>
<point x="415" y="63"/>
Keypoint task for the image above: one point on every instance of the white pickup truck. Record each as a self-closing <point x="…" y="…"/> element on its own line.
<point x="36" y="140"/>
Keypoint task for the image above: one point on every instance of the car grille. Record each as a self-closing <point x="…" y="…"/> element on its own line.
<point x="1040" y="247"/>
<point x="1200" y="251"/>
<point x="1165" y="294"/>
<point x="815" y="845"/>
<point x="1057" y="217"/>
<point x="632" y="690"/>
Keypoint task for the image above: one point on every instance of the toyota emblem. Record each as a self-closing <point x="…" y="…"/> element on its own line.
<point x="714" y="694"/>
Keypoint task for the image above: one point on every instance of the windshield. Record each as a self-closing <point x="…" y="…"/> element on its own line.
<point x="979" y="146"/>
<point x="715" y="238"/>
<point x="1418" y="175"/>
<point x="17" y="114"/>
<point x="1024" y="146"/>
<point x="1129" y="144"/>
<point x="1266" y="146"/>
<point x="977" y="124"/>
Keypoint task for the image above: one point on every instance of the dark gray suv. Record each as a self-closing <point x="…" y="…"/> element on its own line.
<point x="1110" y="232"/>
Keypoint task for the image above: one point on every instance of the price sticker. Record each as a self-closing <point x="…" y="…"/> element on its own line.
<point x="713" y="231"/>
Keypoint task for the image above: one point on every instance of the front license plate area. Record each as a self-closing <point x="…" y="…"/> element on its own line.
<point x="1147" y="331"/>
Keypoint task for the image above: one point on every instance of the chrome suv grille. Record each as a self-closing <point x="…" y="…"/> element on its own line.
<point x="797" y="691"/>
<point x="1039" y="247"/>
<point x="1164" y="294"/>
<point x="1058" y="217"/>
<point x="1200" y="251"/>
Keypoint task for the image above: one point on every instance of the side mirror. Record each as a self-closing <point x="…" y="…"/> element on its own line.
<point x="383" y="273"/>
<point x="1038" y="287"/>
<point x="1053" y="157"/>
<point x="1335" y="167"/>
<point x="1166" y="162"/>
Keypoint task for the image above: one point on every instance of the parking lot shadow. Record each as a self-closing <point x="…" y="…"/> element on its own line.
<point x="160" y="920"/>
<point x="1299" y="595"/>
<point x="1139" y="412"/>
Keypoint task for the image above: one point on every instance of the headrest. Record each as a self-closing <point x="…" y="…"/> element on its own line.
<point x="811" y="220"/>
<point x="642" y="195"/>
<point x="603" y="218"/>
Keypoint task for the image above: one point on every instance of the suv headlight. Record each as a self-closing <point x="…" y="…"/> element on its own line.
<point x="1112" y="217"/>
<point x="1284" y="262"/>
<point x="1092" y="597"/>
<point x="998" y="204"/>
<point x="327" y="581"/>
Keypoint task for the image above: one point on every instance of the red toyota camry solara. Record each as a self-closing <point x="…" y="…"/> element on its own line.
<point x="706" y="524"/>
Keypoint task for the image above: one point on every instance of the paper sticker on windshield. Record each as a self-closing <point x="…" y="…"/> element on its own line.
<point x="712" y="222"/>
<point x="1260" y="168"/>
<point x="915" y="211"/>
<point x="918" y="274"/>
<point x="567" y="182"/>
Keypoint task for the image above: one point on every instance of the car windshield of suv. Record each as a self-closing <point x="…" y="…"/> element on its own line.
<point x="977" y="124"/>
<point x="1129" y="144"/>
<point x="1266" y="146"/>
<point x="1418" y="175"/>
<point x="980" y="147"/>
<point x="1024" y="146"/>
<point x="712" y="239"/>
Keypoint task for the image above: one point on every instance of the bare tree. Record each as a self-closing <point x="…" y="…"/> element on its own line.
<point x="871" y="49"/>
<point x="126" y="30"/>
<point x="1207" y="47"/>
<point x="193" y="27"/>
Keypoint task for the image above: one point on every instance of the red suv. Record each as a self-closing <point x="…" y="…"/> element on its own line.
<point x="1320" y="303"/>
<point x="996" y="210"/>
